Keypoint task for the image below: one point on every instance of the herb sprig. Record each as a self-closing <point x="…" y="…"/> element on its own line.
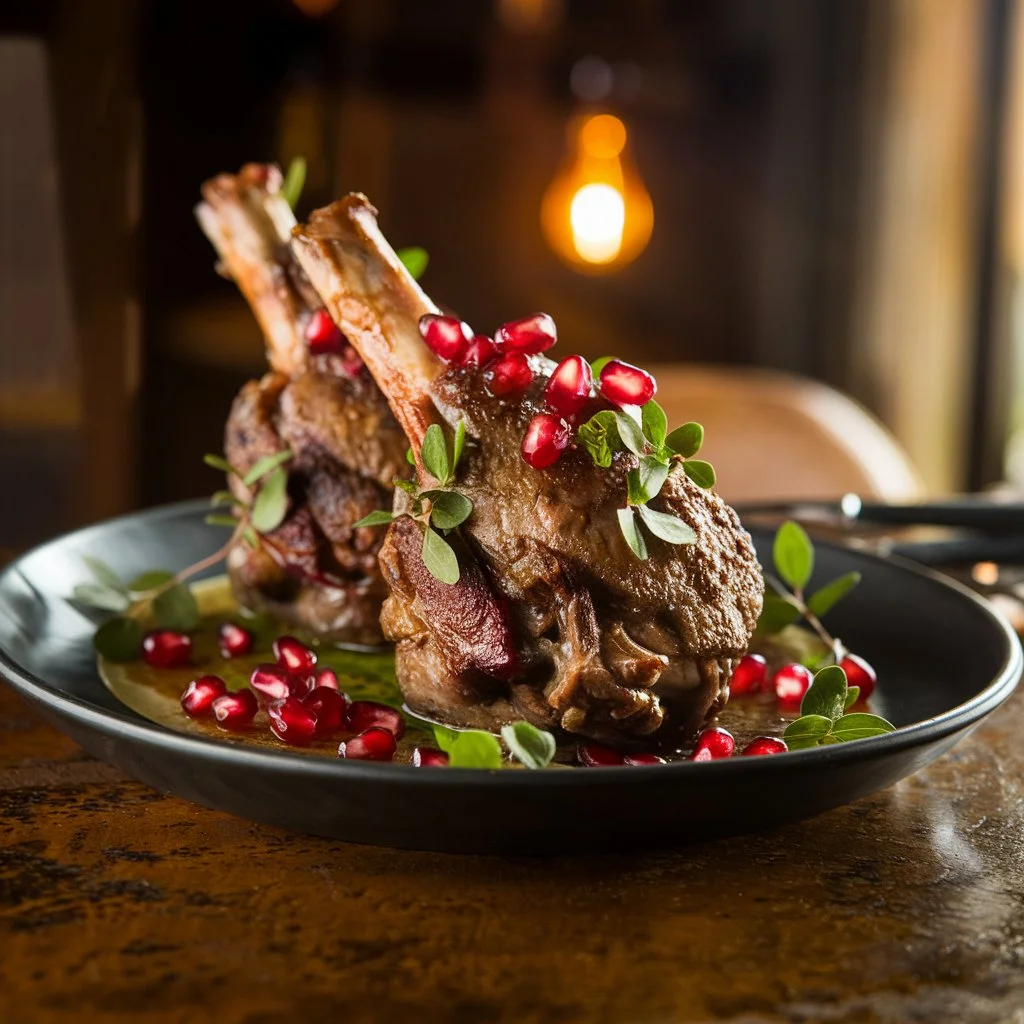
<point x="438" y="510"/>
<point x="793" y="556"/>
<point x="823" y="714"/>
<point x="532" y="747"/>
<point x="643" y="431"/>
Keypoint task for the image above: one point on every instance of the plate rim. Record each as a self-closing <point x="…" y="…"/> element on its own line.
<point x="927" y="731"/>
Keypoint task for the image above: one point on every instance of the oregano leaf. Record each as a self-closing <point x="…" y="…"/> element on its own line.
<point x="250" y="537"/>
<point x="654" y="423"/>
<point x="377" y="518"/>
<point x="630" y="433"/>
<point x="224" y="498"/>
<point x="826" y="696"/>
<point x="415" y="259"/>
<point x="220" y="519"/>
<point x="686" y="440"/>
<point x="176" y="608"/>
<point x="458" y="444"/>
<point x="646" y="481"/>
<point x="448" y="509"/>
<point x="271" y="504"/>
<point x="439" y="557"/>
<point x="119" y="639"/>
<point x="150" y="580"/>
<point x="410" y="456"/>
<point x="219" y="462"/>
<point x="825" y="599"/>
<point x="294" y="181"/>
<point x="435" y="454"/>
<point x="793" y="554"/>
<point x="852" y="696"/>
<point x="860" y="726"/>
<point x="263" y="466"/>
<point x="531" y="746"/>
<point x="668" y="528"/>
<point x="700" y="472"/>
<point x="445" y="737"/>
<point x="600" y="436"/>
<point x="103" y="572"/>
<point x="631" y="531"/>
<point x="474" y="749"/>
<point x="99" y="595"/>
<point x="776" y="613"/>
<point x="807" y="731"/>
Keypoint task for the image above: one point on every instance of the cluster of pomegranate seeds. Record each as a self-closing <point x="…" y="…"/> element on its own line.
<point x="509" y="374"/>
<point x="791" y="682"/>
<point x="546" y="438"/>
<point x="233" y="640"/>
<point x="713" y="744"/>
<point x="749" y="675"/>
<point x="765" y="745"/>
<point x="197" y="700"/>
<point x="859" y="673"/>
<point x="234" y="711"/>
<point x="166" y="648"/>
<point x="624" y="384"/>
<point x="322" y="334"/>
<point x="372" y="745"/>
<point x="427" y="757"/>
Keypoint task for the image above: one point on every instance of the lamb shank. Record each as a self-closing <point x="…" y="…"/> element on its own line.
<point x="317" y="570"/>
<point x="553" y="617"/>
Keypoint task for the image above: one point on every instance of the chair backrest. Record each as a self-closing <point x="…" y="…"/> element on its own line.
<point x="772" y="435"/>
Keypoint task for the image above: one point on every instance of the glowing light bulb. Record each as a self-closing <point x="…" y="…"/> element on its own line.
<point x="596" y="213"/>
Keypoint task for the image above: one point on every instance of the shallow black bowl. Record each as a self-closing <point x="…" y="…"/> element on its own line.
<point x="945" y="658"/>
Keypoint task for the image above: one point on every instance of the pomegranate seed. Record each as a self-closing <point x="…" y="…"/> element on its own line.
<point x="166" y="648"/>
<point x="326" y="676"/>
<point x="509" y="374"/>
<point x="322" y="334"/>
<point x="366" y="714"/>
<point x="372" y="745"/>
<point x="713" y="744"/>
<point x="625" y="384"/>
<point x="638" y="760"/>
<point x="351" y="362"/>
<point x="233" y="641"/>
<point x="531" y="335"/>
<point x="546" y="438"/>
<point x="749" y="675"/>
<point x="481" y="350"/>
<point x="568" y="389"/>
<point x="292" y="721"/>
<point x="328" y="706"/>
<point x="791" y="682"/>
<point x="198" y="698"/>
<point x="765" y="745"/>
<point x="294" y="655"/>
<point x="426" y="757"/>
<point x="235" y="710"/>
<point x="859" y="673"/>
<point x="446" y="336"/>
<point x="595" y="755"/>
<point x="275" y="682"/>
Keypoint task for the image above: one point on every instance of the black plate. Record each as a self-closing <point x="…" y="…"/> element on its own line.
<point x="945" y="658"/>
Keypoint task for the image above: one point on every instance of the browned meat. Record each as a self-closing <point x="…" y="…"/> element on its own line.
<point x="316" y="570"/>
<point x="553" y="619"/>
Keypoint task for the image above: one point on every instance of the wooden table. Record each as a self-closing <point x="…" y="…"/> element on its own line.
<point x="119" y="903"/>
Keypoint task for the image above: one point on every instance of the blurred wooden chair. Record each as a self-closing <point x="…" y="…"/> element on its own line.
<point x="774" y="436"/>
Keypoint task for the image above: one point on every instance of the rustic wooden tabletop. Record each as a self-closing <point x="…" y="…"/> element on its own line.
<point x="120" y="903"/>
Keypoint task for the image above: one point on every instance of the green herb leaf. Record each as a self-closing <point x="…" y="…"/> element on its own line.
<point x="599" y="364"/>
<point x="224" y="498"/>
<point x="532" y="746"/>
<point x="271" y="504"/>
<point x="458" y="444"/>
<point x="408" y="486"/>
<point x="631" y="531"/>
<point x="667" y="527"/>
<point x="435" y="454"/>
<point x="410" y="457"/>
<point x="119" y="639"/>
<point x="654" y="423"/>
<point x="103" y="572"/>
<point x="776" y="613"/>
<point x="98" y="595"/>
<point x="439" y="557"/>
<point x="378" y="518"/>
<point x="826" y="695"/>
<point x="448" y="508"/>
<point x="294" y="180"/>
<point x="215" y="519"/>
<point x="263" y="466"/>
<point x="176" y="608"/>
<point x="474" y="749"/>
<point x="250" y="537"/>
<point x="793" y="554"/>
<point x="852" y="696"/>
<point x="701" y="473"/>
<point x="150" y="580"/>
<point x="415" y="259"/>
<point x="807" y="731"/>
<point x="825" y="599"/>
<point x="686" y="440"/>
<point x="445" y="737"/>
<point x="859" y="726"/>
<point x="630" y="433"/>
<point x="219" y="462"/>
<point x="645" y="482"/>
<point x="600" y="436"/>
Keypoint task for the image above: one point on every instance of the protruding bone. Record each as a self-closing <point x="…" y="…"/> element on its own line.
<point x="376" y="303"/>
<point x="249" y="223"/>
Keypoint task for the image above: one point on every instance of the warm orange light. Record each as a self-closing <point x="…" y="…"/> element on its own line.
<point x="596" y="213"/>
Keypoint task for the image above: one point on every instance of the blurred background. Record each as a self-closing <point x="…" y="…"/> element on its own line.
<point x="793" y="199"/>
